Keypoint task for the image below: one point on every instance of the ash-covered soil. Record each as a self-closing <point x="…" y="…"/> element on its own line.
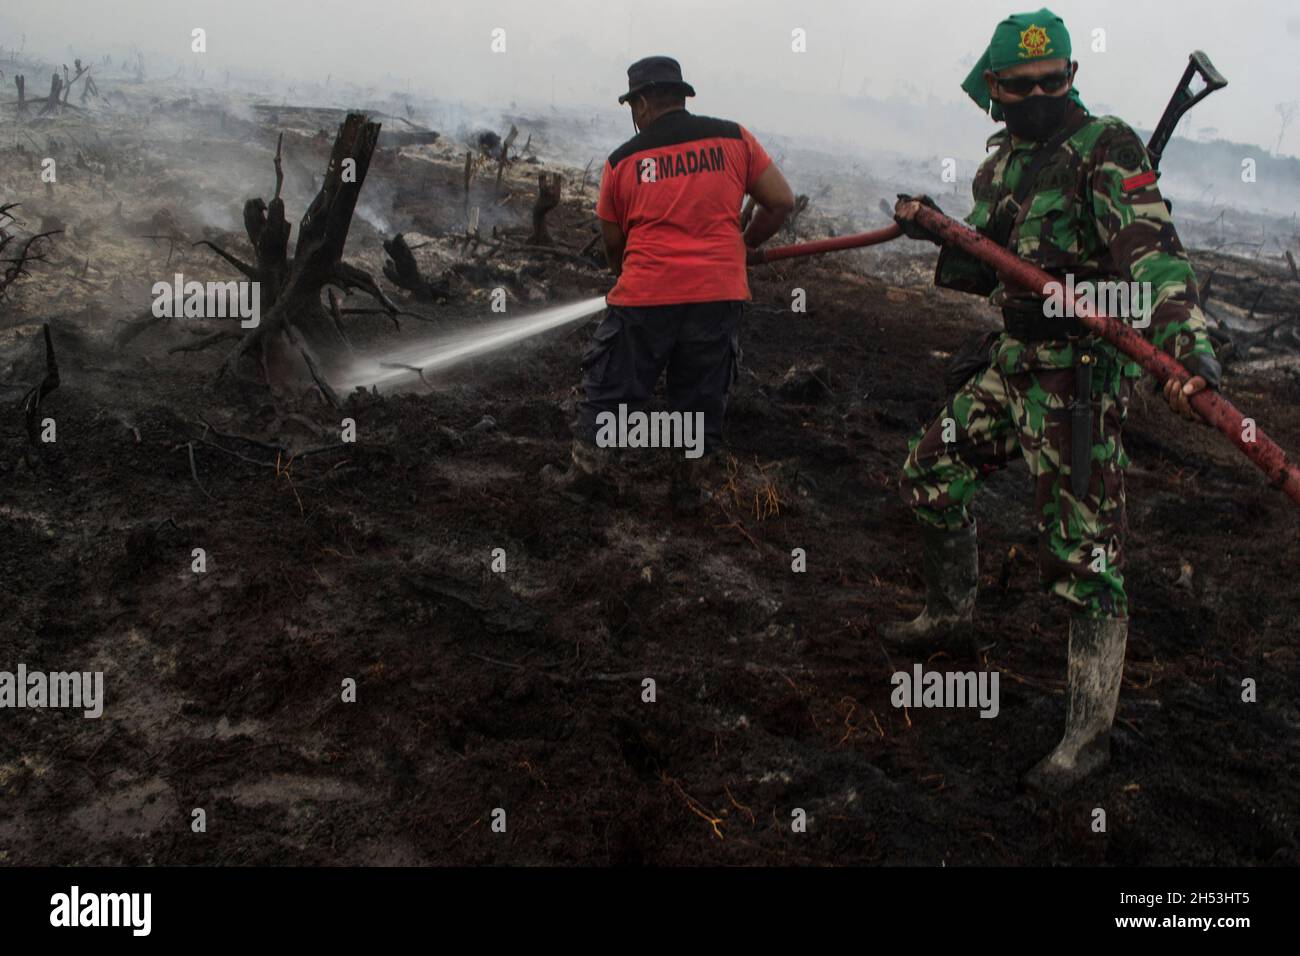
<point x="523" y="690"/>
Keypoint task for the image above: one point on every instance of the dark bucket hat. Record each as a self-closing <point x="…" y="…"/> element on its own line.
<point x="654" y="71"/>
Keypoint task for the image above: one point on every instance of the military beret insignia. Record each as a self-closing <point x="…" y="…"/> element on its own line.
<point x="1034" y="42"/>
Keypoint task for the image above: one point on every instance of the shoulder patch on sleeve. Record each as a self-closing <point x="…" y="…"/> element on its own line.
<point x="1118" y="145"/>
<point x="1139" y="181"/>
<point x="1128" y="155"/>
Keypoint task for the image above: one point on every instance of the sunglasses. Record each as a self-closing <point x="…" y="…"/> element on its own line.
<point x="1024" y="85"/>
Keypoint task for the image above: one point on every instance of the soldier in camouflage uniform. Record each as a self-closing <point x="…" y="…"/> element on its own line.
<point x="1088" y="207"/>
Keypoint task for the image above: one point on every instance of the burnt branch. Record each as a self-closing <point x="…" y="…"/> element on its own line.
<point x="67" y="87"/>
<point x="171" y="244"/>
<point x="348" y="277"/>
<point x="279" y="167"/>
<point x="32" y="400"/>
<point x="239" y="264"/>
<point x="505" y="154"/>
<point x="18" y="266"/>
<point x="203" y="343"/>
<point x="194" y="470"/>
<point x="330" y="395"/>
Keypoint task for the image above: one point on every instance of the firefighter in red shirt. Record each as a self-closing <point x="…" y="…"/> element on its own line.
<point x="670" y="205"/>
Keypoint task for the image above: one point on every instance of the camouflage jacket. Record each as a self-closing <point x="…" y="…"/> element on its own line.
<point x="1095" y="212"/>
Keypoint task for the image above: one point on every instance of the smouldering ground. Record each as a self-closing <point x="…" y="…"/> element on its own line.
<point x="523" y="690"/>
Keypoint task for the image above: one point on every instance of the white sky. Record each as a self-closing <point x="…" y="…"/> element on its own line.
<point x="736" y="52"/>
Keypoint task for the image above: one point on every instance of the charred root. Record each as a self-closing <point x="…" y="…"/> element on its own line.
<point x="402" y="271"/>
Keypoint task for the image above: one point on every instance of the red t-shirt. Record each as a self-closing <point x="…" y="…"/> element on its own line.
<point x="676" y="190"/>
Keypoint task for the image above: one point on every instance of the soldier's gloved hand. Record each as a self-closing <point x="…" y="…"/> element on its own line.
<point x="1206" y="373"/>
<point x="905" y="215"/>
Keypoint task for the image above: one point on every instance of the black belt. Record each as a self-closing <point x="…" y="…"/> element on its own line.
<point x="1033" y="326"/>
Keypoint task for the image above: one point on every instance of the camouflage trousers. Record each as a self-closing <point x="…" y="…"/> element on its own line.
<point x="997" y="414"/>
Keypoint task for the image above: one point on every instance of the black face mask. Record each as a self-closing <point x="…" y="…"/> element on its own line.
<point x="1036" y="117"/>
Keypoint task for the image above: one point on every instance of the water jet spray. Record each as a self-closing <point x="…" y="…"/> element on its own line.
<point x="399" y="366"/>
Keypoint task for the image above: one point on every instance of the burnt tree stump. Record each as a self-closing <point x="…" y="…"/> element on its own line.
<point x="68" y="84"/>
<point x="56" y="87"/>
<point x="548" y="197"/>
<point x="297" y="339"/>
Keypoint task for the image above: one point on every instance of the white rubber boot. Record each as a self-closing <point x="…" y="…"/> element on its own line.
<point x="1095" y="670"/>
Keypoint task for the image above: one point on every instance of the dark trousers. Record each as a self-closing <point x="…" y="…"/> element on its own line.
<point x="697" y="342"/>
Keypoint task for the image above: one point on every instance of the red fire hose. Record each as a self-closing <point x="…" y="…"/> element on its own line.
<point x="1213" y="407"/>
<point x="759" y="256"/>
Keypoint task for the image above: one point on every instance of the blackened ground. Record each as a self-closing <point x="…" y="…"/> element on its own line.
<point x="523" y="690"/>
